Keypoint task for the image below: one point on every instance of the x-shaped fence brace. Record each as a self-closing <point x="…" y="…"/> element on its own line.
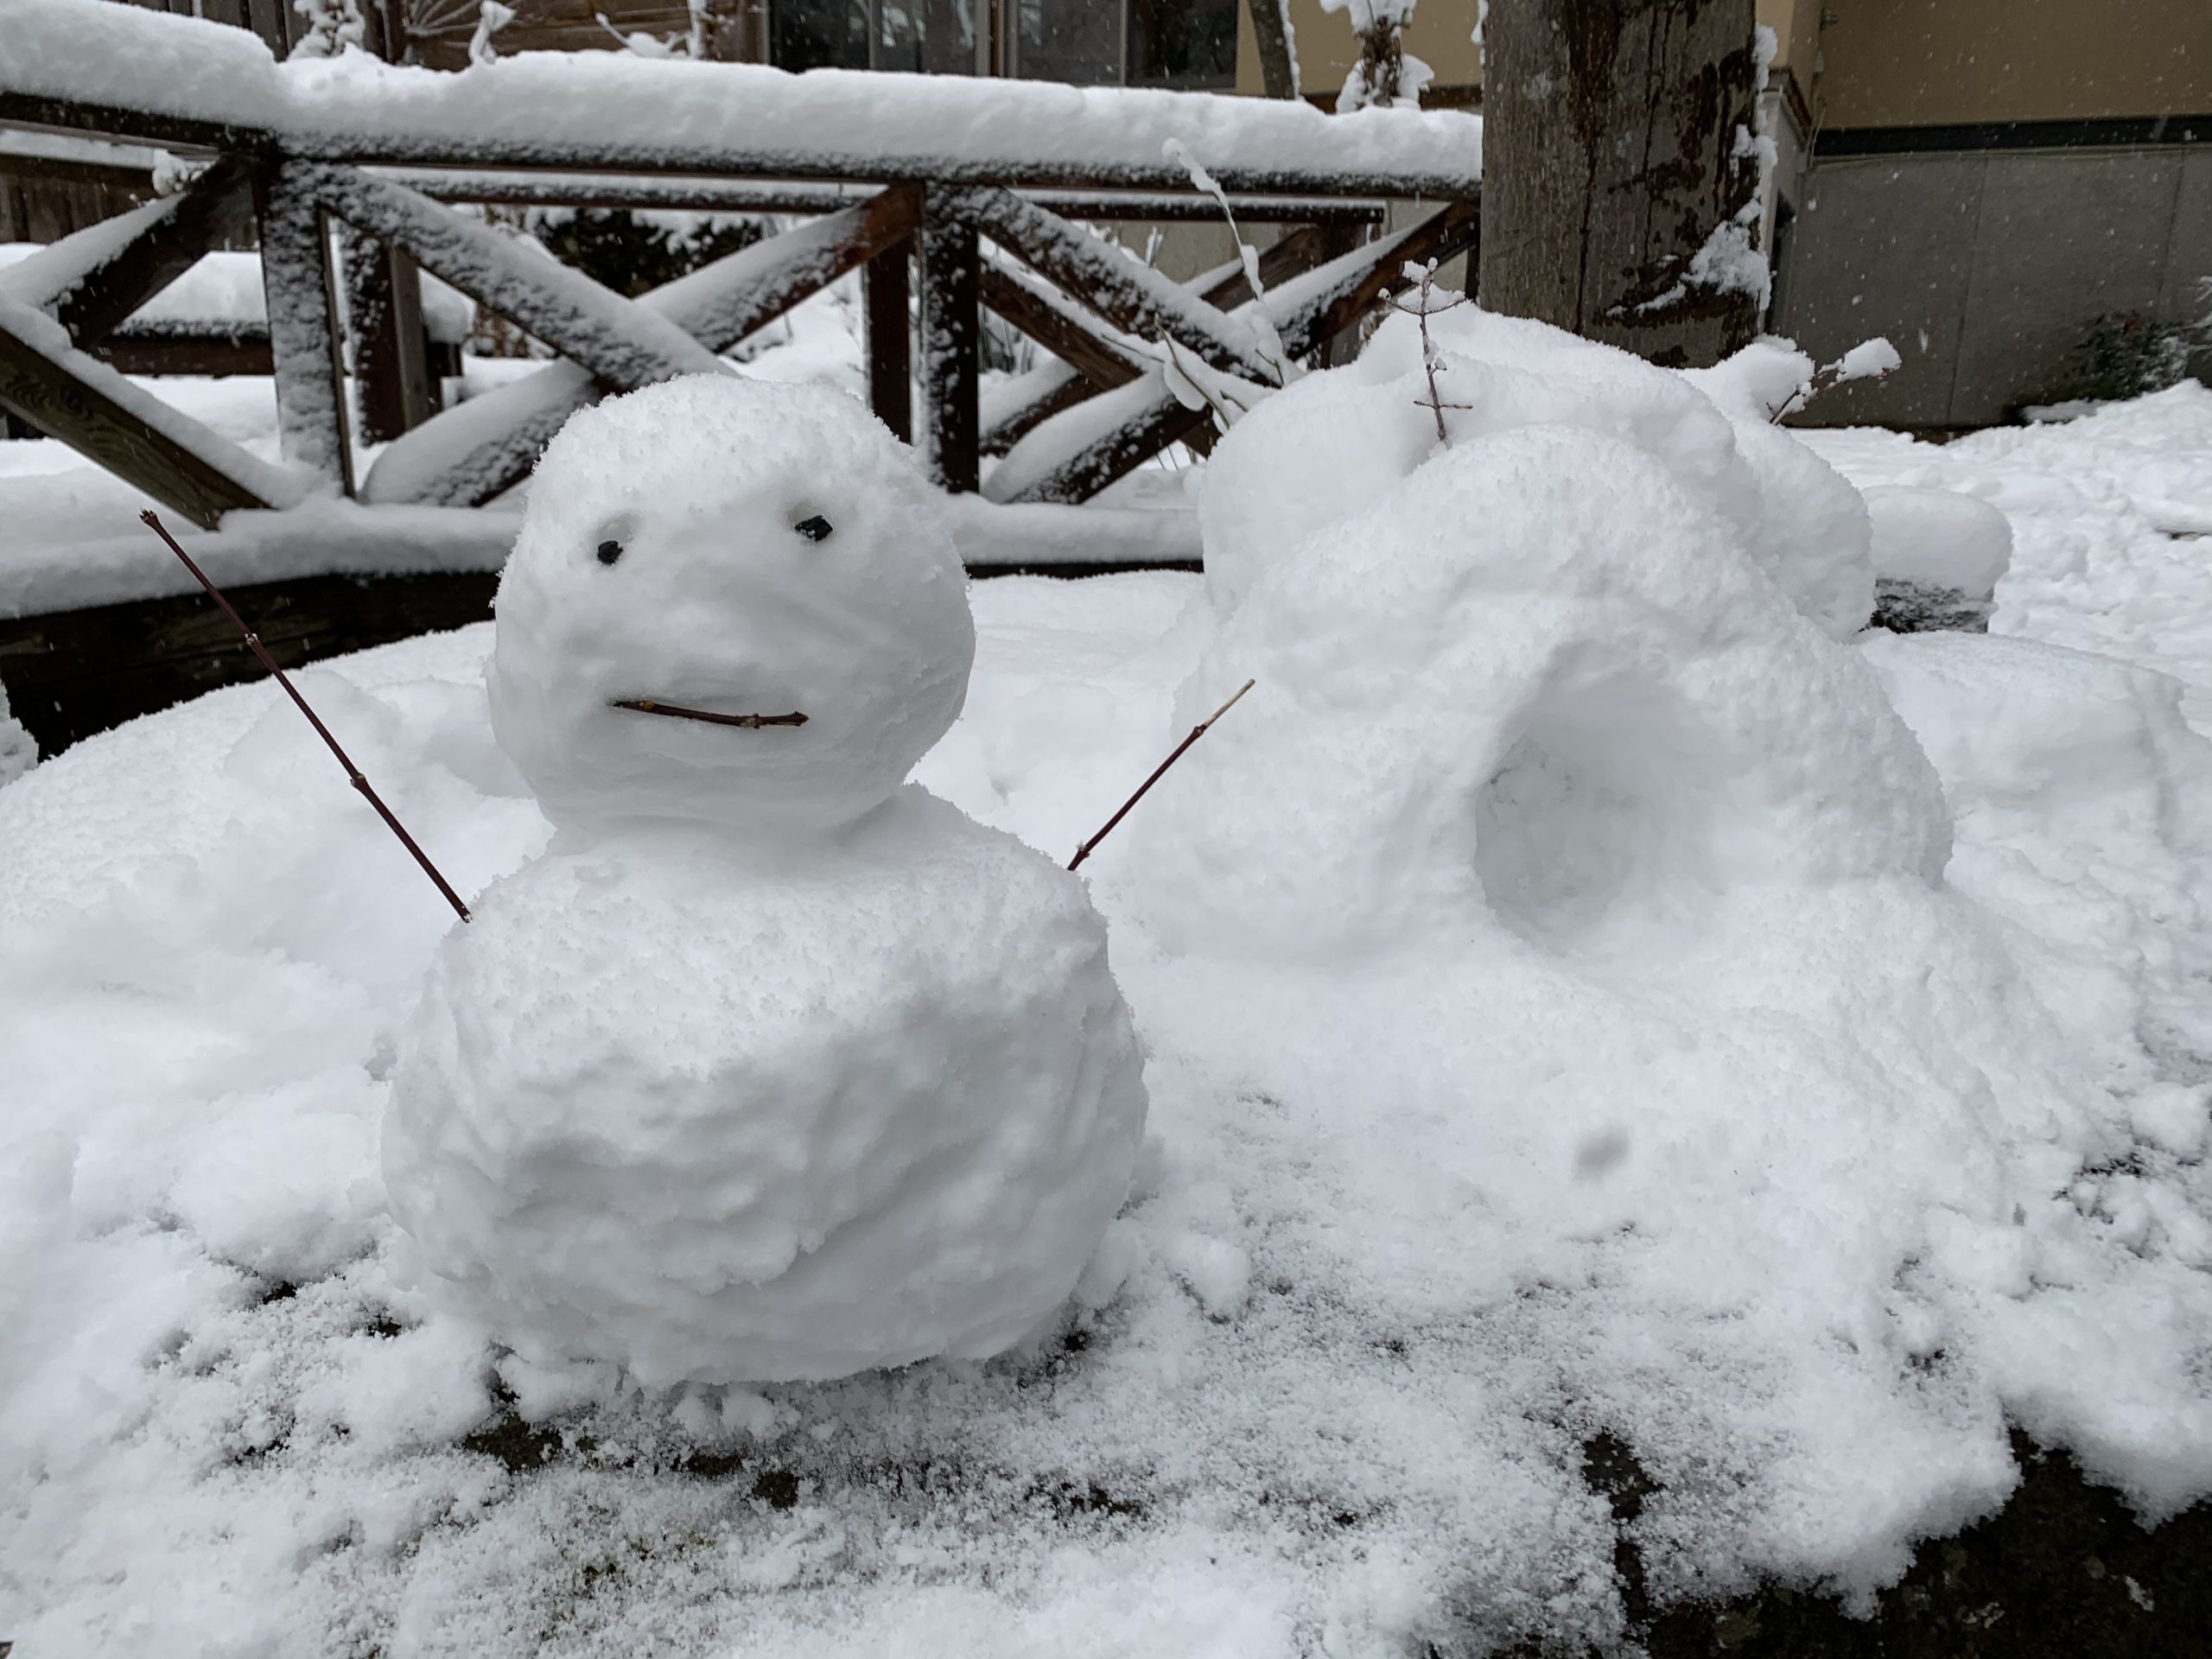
<point x="1063" y="432"/>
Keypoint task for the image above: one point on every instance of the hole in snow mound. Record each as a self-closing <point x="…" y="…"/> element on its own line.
<point x="1603" y="810"/>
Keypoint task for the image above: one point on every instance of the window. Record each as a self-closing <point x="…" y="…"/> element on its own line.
<point x="1086" y="42"/>
<point x="935" y="38"/>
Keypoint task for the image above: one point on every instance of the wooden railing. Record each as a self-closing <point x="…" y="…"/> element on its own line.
<point x="940" y="231"/>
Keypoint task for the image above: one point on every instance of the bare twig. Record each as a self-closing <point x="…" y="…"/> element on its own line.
<point x="1159" y="771"/>
<point x="750" y="722"/>
<point x="1429" y="352"/>
<point x="1827" y="378"/>
<point x="352" y="772"/>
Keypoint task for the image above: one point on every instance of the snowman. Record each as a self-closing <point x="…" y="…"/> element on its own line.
<point x="773" y="1066"/>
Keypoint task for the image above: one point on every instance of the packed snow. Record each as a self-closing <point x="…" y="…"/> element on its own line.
<point x="1588" y="988"/>
<point x="770" y="1068"/>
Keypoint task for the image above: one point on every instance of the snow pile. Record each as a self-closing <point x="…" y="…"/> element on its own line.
<point x="1331" y="445"/>
<point x="769" y="1069"/>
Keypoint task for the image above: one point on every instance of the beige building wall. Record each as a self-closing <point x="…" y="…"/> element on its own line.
<point x="1917" y="63"/>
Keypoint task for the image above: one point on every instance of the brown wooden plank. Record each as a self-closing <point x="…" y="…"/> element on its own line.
<point x="300" y="285"/>
<point x="217" y="204"/>
<point x="72" y="673"/>
<point x="1100" y="361"/>
<point x="884" y="291"/>
<point x="181" y="353"/>
<point x="44" y="394"/>
<point x="951" y="335"/>
<point x="392" y="380"/>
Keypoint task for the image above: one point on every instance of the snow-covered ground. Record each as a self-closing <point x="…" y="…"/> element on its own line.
<point x="1765" y="1196"/>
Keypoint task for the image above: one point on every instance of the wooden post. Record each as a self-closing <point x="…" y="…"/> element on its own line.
<point x="303" y="338"/>
<point x="884" y="287"/>
<point x="952" y="332"/>
<point x="1617" y="148"/>
<point x="1271" y="35"/>
<point x="392" y="360"/>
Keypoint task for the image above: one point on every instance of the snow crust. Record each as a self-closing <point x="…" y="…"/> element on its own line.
<point x="1807" y="1184"/>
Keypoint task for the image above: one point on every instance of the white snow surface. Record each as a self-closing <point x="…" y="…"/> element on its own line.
<point x="18" y="751"/>
<point x="1801" y="1160"/>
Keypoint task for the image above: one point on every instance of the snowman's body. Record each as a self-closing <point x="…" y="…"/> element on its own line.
<point x="770" y="1068"/>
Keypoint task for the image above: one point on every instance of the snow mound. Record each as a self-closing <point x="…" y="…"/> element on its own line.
<point x="710" y="541"/>
<point x="1334" y="443"/>
<point x="1503" y="694"/>
<point x="722" y="1114"/>
<point x="1938" y="538"/>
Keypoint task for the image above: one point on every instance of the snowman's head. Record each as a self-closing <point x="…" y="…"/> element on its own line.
<point x="726" y="547"/>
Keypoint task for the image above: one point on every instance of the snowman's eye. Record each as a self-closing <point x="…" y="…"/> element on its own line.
<point x="816" y="529"/>
<point x="609" y="551"/>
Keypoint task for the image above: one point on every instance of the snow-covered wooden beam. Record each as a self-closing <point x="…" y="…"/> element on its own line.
<point x="85" y="403"/>
<point x="623" y="343"/>
<point x="300" y="289"/>
<point x="124" y="71"/>
<point x="200" y="218"/>
<point x="1049" y="318"/>
<point x="1075" y="453"/>
<point x="792" y="196"/>
<point x="1133" y="297"/>
<point x="951" y="339"/>
<point x="471" y="452"/>
<point x="1015" y="408"/>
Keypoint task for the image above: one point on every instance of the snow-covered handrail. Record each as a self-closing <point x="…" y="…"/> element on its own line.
<point x="128" y="72"/>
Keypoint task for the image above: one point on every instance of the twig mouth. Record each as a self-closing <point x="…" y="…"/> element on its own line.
<point x="750" y="722"/>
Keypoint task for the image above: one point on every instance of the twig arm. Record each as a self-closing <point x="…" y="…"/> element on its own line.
<point x="1158" y="772"/>
<point x="353" y="773"/>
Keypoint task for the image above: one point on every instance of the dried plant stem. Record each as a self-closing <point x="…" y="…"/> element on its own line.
<point x="750" y="722"/>
<point x="352" y="772"/>
<point x="1428" y="354"/>
<point x="1159" y="771"/>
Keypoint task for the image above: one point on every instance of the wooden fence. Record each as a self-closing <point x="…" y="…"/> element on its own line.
<point x="938" y="234"/>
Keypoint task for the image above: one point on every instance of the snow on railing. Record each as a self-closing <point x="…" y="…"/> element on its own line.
<point x="185" y="80"/>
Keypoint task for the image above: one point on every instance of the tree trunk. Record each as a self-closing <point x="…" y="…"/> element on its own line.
<point x="1620" y="179"/>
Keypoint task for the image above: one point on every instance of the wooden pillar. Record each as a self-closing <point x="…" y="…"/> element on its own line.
<point x="1617" y="148"/>
<point x="392" y="376"/>
<point x="951" y="330"/>
<point x="884" y="288"/>
<point x="299" y="282"/>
